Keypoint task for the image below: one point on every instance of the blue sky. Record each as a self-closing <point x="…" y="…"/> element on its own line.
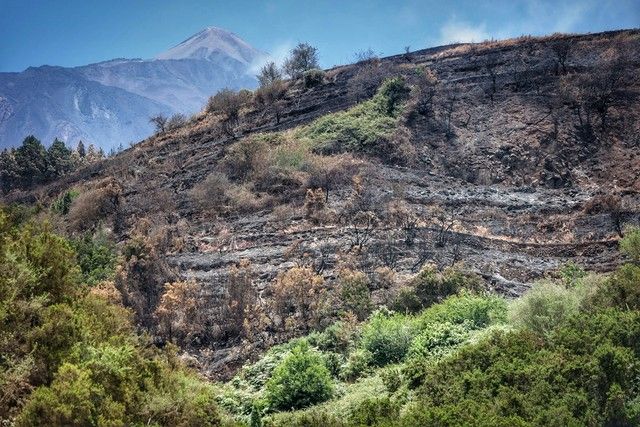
<point x="76" y="32"/>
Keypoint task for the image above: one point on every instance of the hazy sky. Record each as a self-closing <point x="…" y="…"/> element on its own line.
<point x="76" y="32"/>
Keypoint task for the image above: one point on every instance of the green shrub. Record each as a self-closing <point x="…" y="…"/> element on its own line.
<point x="354" y="293"/>
<point x="387" y="337"/>
<point x="63" y="203"/>
<point x="474" y="311"/>
<point x="360" y="129"/>
<point x="96" y="257"/>
<point x="630" y="244"/>
<point x="309" y="418"/>
<point x="313" y="77"/>
<point x="391" y="94"/>
<point x="543" y="307"/>
<point x="76" y="350"/>
<point x="439" y="340"/>
<point x="299" y="381"/>
<point x="391" y="378"/>
<point x="338" y="337"/>
<point x="430" y="286"/>
<point x="358" y="363"/>
<point x="621" y="290"/>
<point x="375" y="411"/>
<point x="70" y="401"/>
<point x="406" y="301"/>
<point x="257" y="374"/>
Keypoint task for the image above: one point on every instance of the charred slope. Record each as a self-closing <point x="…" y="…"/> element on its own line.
<point x="513" y="157"/>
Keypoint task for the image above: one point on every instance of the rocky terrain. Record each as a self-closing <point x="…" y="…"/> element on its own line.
<point x="500" y="176"/>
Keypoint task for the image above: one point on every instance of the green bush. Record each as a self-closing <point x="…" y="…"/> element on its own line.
<point x="63" y="203"/>
<point x="358" y="363"/>
<point x="70" y="401"/>
<point x="621" y="289"/>
<point x="430" y="286"/>
<point x="337" y="338"/>
<point x="387" y="337"/>
<point x="299" y="381"/>
<point x="543" y="307"/>
<point x="474" y="311"/>
<point x="361" y="128"/>
<point x="375" y="411"/>
<point x="439" y="340"/>
<point x="71" y="357"/>
<point x="630" y="244"/>
<point x="313" y="77"/>
<point x="355" y="294"/>
<point x="391" y="94"/>
<point x="96" y="257"/>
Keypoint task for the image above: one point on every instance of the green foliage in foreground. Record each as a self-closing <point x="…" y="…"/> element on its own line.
<point x="70" y="357"/>
<point x="565" y="354"/>
<point x="301" y="380"/>
<point x="96" y="257"/>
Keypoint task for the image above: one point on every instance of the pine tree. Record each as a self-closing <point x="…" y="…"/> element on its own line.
<point x="59" y="160"/>
<point x="31" y="159"/>
<point x="80" y="150"/>
<point x="9" y="176"/>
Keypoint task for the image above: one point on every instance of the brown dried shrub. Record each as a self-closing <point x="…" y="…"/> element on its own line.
<point x="315" y="205"/>
<point x="94" y="205"/>
<point x="298" y="296"/>
<point x="216" y="195"/>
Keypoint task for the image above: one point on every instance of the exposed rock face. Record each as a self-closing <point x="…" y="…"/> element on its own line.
<point x="109" y="103"/>
<point x="521" y="190"/>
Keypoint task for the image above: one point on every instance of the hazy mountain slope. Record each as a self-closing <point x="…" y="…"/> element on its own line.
<point x="118" y="96"/>
<point x="55" y="102"/>
<point x="182" y="85"/>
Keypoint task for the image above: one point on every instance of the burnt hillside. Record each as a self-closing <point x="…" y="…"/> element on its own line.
<point x="510" y="157"/>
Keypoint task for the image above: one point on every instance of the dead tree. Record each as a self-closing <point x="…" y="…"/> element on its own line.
<point x="561" y="49"/>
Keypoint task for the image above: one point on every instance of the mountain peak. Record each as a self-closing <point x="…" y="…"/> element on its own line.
<point x="209" y="44"/>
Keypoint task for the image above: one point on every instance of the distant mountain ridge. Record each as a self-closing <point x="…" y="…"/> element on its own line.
<point x="108" y="103"/>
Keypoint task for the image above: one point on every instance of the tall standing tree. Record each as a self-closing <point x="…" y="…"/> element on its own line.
<point x="269" y="74"/>
<point x="302" y="58"/>
<point x="31" y="159"/>
<point x="81" y="150"/>
<point x="60" y="161"/>
<point x="9" y="174"/>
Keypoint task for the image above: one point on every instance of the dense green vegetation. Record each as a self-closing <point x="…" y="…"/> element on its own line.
<point x="32" y="164"/>
<point x="68" y="354"/>
<point x="362" y="128"/>
<point x="566" y="353"/>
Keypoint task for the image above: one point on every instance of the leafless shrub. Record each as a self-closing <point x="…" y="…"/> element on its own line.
<point x="302" y="58"/>
<point x="365" y="55"/>
<point x="560" y="48"/>
<point x="610" y="204"/>
<point x="269" y="74"/>
<point x="271" y="98"/>
<point x="178" y="312"/>
<point x="315" y="205"/>
<point x="445" y="218"/>
<point x="331" y="172"/>
<point x="176" y="121"/>
<point x="216" y="195"/>
<point x="228" y="104"/>
<point x="298" y="297"/>
<point x="159" y="121"/>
